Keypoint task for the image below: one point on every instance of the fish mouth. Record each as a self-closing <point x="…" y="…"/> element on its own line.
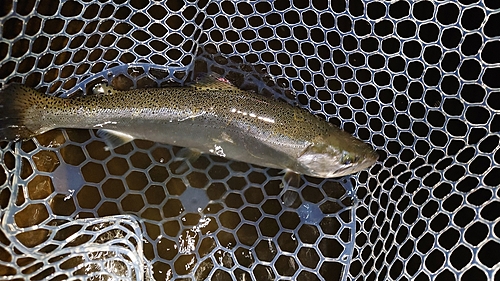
<point x="371" y="158"/>
<point x="324" y="163"/>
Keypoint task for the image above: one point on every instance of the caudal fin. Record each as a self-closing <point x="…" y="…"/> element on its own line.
<point x="15" y="100"/>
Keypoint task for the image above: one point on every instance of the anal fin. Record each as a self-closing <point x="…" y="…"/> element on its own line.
<point x="291" y="180"/>
<point x="113" y="138"/>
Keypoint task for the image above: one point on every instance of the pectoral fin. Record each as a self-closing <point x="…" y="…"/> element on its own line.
<point x="187" y="155"/>
<point x="288" y="196"/>
<point x="291" y="178"/>
<point x="113" y="138"/>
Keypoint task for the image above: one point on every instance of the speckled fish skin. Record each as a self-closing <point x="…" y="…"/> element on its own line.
<point x="212" y="118"/>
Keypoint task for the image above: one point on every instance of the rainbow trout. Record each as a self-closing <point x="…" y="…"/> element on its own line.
<point x="209" y="117"/>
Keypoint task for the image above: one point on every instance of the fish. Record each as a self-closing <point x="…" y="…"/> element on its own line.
<point x="210" y="116"/>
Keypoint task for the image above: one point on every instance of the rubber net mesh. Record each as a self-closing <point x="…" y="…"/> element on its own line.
<point x="419" y="80"/>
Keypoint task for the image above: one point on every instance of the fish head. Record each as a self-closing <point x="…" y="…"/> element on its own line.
<point x="336" y="155"/>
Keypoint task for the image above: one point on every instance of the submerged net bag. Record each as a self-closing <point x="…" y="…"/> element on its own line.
<point x="416" y="79"/>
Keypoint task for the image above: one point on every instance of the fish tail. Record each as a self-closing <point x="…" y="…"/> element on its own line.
<point x="15" y="102"/>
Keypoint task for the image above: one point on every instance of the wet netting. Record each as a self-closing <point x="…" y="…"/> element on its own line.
<point x="419" y="80"/>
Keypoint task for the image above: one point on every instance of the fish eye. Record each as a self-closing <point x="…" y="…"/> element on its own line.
<point x="347" y="159"/>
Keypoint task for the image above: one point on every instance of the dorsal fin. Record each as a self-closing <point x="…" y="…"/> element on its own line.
<point x="213" y="81"/>
<point x="187" y="155"/>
